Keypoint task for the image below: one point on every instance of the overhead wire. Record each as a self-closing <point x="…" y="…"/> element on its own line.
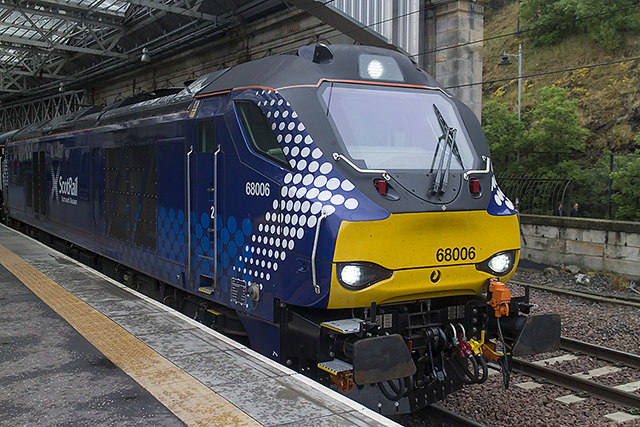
<point x="393" y="18"/>
<point x="544" y="73"/>
<point x="364" y="27"/>
<point x="519" y="32"/>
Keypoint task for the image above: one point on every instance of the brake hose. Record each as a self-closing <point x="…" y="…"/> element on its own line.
<point x="400" y="392"/>
<point x="485" y="368"/>
<point x="463" y="371"/>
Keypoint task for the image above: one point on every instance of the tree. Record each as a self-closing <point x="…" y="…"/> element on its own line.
<point x="504" y="134"/>
<point x="626" y="188"/>
<point x="550" y="142"/>
<point x="555" y="131"/>
<point x="604" y="21"/>
<point x="550" y="21"/>
<point x="546" y="138"/>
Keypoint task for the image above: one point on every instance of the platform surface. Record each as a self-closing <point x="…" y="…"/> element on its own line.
<point x="79" y="348"/>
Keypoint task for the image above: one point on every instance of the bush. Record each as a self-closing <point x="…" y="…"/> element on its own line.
<point x="550" y="21"/>
<point x="554" y="124"/>
<point x="505" y="135"/>
<point x="626" y="188"/>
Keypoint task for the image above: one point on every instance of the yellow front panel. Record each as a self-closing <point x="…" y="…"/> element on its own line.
<point x="409" y="243"/>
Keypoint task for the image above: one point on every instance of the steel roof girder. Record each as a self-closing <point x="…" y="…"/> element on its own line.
<point x="47" y="75"/>
<point x="151" y="4"/>
<point x="58" y="46"/>
<point x="7" y="81"/>
<point x="76" y="11"/>
<point x="31" y="8"/>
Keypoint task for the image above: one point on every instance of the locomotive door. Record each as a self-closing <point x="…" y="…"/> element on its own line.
<point x="204" y="161"/>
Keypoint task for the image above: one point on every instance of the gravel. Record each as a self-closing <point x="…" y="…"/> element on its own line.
<point x="610" y="325"/>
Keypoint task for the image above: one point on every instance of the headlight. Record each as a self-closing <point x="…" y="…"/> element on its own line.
<point x="375" y="69"/>
<point x="359" y="275"/>
<point x="499" y="264"/>
<point x="379" y="67"/>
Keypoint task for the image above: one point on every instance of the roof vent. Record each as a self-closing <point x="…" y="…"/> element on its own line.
<point x="318" y="53"/>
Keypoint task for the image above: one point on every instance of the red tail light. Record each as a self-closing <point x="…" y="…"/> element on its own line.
<point x="381" y="186"/>
<point x="474" y="187"/>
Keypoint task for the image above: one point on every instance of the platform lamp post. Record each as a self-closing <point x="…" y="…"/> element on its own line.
<point x="505" y="61"/>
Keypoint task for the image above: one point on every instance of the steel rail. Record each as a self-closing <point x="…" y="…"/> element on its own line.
<point x="604" y="353"/>
<point x="586" y="295"/>
<point x="442" y="416"/>
<point x="600" y="391"/>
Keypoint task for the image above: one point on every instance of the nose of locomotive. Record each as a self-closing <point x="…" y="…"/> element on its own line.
<point x="420" y="255"/>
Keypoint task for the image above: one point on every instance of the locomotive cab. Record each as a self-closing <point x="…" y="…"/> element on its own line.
<point x="414" y="230"/>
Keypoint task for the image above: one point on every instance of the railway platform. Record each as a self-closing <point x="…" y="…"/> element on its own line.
<point x="77" y="347"/>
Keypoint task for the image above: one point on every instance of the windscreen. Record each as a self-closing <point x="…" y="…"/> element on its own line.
<point x="398" y="128"/>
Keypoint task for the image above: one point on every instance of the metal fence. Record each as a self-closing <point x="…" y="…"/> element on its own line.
<point x="546" y="184"/>
<point x="537" y="195"/>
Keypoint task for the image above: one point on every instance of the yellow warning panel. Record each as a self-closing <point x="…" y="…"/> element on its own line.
<point x="190" y="400"/>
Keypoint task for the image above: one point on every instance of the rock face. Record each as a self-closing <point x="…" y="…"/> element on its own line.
<point x="582" y="279"/>
<point x="573" y="269"/>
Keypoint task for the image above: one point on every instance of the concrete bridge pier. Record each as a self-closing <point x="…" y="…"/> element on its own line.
<point x="450" y="23"/>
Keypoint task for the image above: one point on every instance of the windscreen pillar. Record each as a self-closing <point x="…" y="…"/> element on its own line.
<point x="449" y="24"/>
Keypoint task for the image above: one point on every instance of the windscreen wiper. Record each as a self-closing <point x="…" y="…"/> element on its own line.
<point x="447" y="147"/>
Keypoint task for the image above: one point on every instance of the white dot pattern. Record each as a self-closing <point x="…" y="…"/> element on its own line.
<point x="499" y="201"/>
<point x="312" y="188"/>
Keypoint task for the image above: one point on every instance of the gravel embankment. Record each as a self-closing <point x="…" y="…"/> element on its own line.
<point x="610" y="325"/>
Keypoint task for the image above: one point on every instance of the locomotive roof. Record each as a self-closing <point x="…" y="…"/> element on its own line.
<point x="306" y="66"/>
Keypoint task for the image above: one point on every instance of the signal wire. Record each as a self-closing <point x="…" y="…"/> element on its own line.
<point x="544" y="73"/>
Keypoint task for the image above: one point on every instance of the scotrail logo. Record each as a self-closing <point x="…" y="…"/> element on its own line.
<point x="64" y="189"/>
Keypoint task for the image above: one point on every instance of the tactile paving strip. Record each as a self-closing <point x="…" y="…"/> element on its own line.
<point x="189" y="399"/>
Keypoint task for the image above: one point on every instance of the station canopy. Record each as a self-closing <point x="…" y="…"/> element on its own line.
<point x="54" y="45"/>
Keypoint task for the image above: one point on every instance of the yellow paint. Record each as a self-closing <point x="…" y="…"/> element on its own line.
<point x="407" y="244"/>
<point x="194" y="109"/>
<point x="331" y="371"/>
<point x="331" y="327"/>
<point x="191" y="401"/>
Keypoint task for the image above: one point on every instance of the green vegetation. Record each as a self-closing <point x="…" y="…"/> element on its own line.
<point x="582" y="124"/>
<point x="551" y="21"/>
<point x="551" y="127"/>
<point x="626" y="187"/>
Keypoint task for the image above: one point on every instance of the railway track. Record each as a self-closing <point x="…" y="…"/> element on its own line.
<point x="593" y="296"/>
<point x="579" y="383"/>
<point x="440" y="416"/>
<point x="435" y="415"/>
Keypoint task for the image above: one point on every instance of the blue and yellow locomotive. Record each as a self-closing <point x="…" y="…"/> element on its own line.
<point x="334" y="205"/>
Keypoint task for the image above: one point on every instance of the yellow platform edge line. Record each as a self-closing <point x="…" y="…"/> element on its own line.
<point x="186" y="397"/>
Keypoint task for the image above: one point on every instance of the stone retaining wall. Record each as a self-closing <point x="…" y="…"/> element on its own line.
<point x="591" y="244"/>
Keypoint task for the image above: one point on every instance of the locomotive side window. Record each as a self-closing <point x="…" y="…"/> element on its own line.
<point x="206" y="138"/>
<point x="257" y="131"/>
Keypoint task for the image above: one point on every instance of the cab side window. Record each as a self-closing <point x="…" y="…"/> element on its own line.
<point x="206" y="137"/>
<point x="259" y="134"/>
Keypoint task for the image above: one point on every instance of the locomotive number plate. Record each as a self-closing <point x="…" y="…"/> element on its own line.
<point x="257" y="189"/>
<point x="456" y="254"/>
